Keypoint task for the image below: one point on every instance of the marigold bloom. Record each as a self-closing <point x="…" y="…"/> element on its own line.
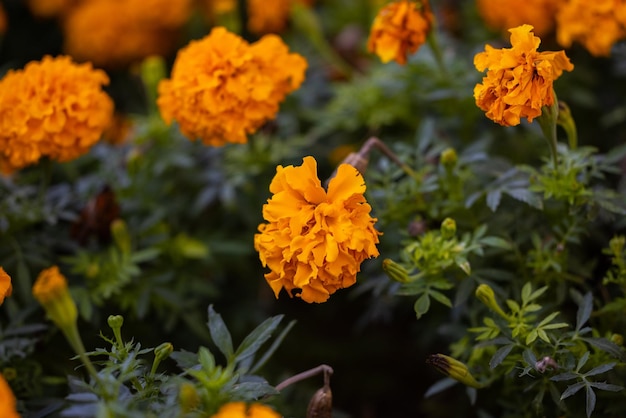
<point x="115" y="34"/>
<point x="8" y="402"/>
<point x="315" y="240"/>
<point x="223" y="88"/>
<point x="5" y="285"/>
<point x="504" y="14"/>
<point x="240" y="410"/>
<point x="270" y="16"/>
<point x="519" y="79"/>
<point x="596" y="25"/>
<point x="50" y="290"/>
<point x="399" y="29"/>
<point x="52" y="108"/>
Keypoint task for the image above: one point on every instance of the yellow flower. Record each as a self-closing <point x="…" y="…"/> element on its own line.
<point x="8" y="402"/>
<point x="223" y="88"/>
<point x="597" y="25"/>
<point x="504" y="14"/>
<point x="52" y="108"/>
<point x="5" y="285"/>
<point x="115" y="34"/>
<point x="315" y="240"/>
<point x="50" y="290"/>
<point x="400" y="28"/>
<point x="239" y="410"/>
<point x="519" y="79"/>
<point x="270" y="16"/>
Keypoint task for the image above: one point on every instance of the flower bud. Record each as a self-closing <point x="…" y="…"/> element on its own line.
<point x="395" y="271"/>
<point x="617" y="339"/>
<point x="486" y="295"/>
<point x="115" y="321"/>
<point x="50" y="290"/>
<point x="448" y="228"/>
<point x="120" y="234"/>
<point x="449" y="159"/>
<point x="321" y="404"/>
<point x="453" y="369"/>
<point x="163" y="351"/>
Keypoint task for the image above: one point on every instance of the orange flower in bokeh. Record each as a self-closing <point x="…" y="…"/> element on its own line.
<point x="223" y="88"/>
<point x="399" y="29"/>
<point x="5" y="285"/>
<point x="241" y="410"/>
<point x="51" y="8"/>
<point x="270" y="16"/>
<point x="118" y="33"/>
<point x="52" y="108"/>
<point x="597" y="24"/>
<point x="519" y="79"/>
<point x="504" y="14"/>
<point x="315" y="240"/>
<point x="8" y="402"/>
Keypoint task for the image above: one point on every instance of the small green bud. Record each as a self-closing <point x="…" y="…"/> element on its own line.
<point x="163" y="351"/>
<point x="115" y="321"/>
<point x="449" y="158"/>
<point x="120" y="234"/>
<point x="486" y="295"/>
<point x="448" y="228"/>
<point x="395" y="271"/>
<point x="152" y="71"/>
<point x="617" y="339"/>
<point x="453" y="369"/>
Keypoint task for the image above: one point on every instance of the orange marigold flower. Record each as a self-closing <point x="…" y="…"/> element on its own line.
<point x="399" y="29"/>
<point x="115" y="34"/>
<point x="5" y="285"/>
<point x="597" y="25"/>
<point x="315" y="240"/>
<point x="50" y="8"/>
<point x="240" y="410"/>
<point x="51" y="291"/>
<point x="223" y="88"/>
<point x="52" y="108"/>
<point x="519" y="79"/>
<point x="504" y="14"/>
<point x="8" y="403"/>
<point x="270" y="16"/>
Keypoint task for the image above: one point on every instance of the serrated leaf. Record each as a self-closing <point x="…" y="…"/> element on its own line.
<point x="537" y="293"/>
<point x="421" y="306"/>
<point x="529" y="357"/>
<point x="584" y="311"/>
<point x="606" y="386"/>
<point x="564" y="376"/>
<point x="582" y="361"/>
<point x="496" y="242"/>
<point x="257" y="337"/>
<point x="440" y="386"/>
<point x="441" y="298"/>
<point x="526" y="196"/>
<point x="600" y="369"/>
<point x="493" y="199"/>
<point x="572" y="389"/>
<point x="591" y="401"/>
<point x="547" y="319"/>
<point x="607" y="346"/>
<point x="219" y="333"/>
<point x="500" y="355"/>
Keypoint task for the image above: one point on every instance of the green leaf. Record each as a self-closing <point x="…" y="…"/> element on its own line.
<point x="584" y="311"/>
<point x="547" y="319"/>
<point x="607" y="346"/>
<point x="277" y="341"/>
<point x="206" y="359"/>
<point x="493" y="199"/>
<point x="582" y="361"/>
<point x="440" y="386"/>
<point x="441" y="298"/>
<point x="591" y="401"/>
<point x="257" y="337"/>
<point x="500" y="355"/>
<point x="422" y="304"/>
<point x="600" y="369"/>
<point x="496" y="242"/>
<point x="219" y="333"/>
<point x="572" y="389"/>
<point x="606" y="386"/>
<point x="526" y="196"/>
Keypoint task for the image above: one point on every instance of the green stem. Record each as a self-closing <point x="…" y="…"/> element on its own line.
<point x="73" y="337"/>
<point x="433" y="43"/>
